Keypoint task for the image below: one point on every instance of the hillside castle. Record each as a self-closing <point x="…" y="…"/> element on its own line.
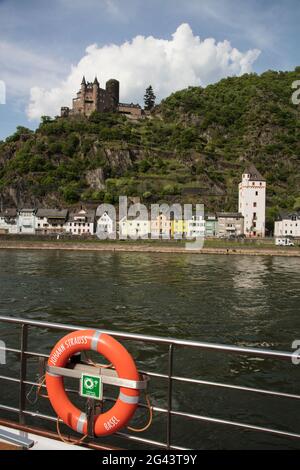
<point x="92" y="98"/>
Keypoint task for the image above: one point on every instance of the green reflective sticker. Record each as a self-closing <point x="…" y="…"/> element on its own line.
<point x="91" y="386"/>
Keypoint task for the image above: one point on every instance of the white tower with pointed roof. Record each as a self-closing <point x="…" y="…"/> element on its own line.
<point x="252" y="202"/>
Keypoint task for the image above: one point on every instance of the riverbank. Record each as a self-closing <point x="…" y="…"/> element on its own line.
<point x="153" y="247"/>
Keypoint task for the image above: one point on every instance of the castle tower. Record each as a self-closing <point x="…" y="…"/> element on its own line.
<point x="96" y="94"/>
<point x="252" y="202"/>
<point x="83" y="94"/>
<point x="112" y="95"/>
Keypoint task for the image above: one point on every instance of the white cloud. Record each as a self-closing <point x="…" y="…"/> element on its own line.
<point x="168" y="65"/>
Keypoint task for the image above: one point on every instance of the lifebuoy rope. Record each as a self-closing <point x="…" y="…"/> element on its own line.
<point x="69" y="441"/>
<point x="150" y="417"/>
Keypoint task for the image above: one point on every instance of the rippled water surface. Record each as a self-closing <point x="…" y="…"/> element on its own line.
<point x="251" y="301"/>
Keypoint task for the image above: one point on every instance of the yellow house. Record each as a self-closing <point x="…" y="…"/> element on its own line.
<point x="179" y="228"/>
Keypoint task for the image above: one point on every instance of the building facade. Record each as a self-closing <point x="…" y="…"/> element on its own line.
<point x="26" y="221"/>
<point x="288" y="225"/>
<point x="161" y="227"/>
<point x="252" y="202"/>
<point x="211" y="226"/>
<point x="195" y="227"/>
<point x="230" y="224"/>
<point x="105" y="226"/>
<point x="133" y="111"/>
<point x="50" y="221"/>
<point x="81" y="223"/>
<point x="9" y="221"/>
<point x="133" y="228"/>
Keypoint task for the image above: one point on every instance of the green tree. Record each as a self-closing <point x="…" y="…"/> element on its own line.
<point x="149" y="98"/>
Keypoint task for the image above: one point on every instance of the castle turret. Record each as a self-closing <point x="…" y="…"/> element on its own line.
<point x="112" y="95"/>
<point x="96" y="94"/>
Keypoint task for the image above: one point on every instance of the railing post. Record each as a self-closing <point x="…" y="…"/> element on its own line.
<point x="23" y="372"/>
<point x="170" y="401"/>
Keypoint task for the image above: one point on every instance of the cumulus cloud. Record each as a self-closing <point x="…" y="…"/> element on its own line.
<point x="169" y="65"/>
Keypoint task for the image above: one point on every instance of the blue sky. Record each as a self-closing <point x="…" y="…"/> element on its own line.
<point x="41" y="40"/>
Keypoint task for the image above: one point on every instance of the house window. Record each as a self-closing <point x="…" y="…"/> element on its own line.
<point x="254" y="204"/>
<point x="256" y="193"/>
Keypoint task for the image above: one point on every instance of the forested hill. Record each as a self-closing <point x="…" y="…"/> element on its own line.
<point x="193" y="147"/>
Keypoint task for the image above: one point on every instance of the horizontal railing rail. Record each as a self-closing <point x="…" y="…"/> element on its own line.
<point x="170" y="377"/>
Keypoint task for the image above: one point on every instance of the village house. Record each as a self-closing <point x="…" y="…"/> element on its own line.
<point x="190" y="228"/>
<point x="8" y="221"/>
<point x="81" y="223"/>
<point x="195" y="227"/>
<point x="252" y="202"/>
<point x="288" y="225"/>
<point x="230" y="224"/>
<point x="211" y="226"/>
<point x="50" y="221"/>
<point x="161" y="227"/>
<point x="179" y="228"/>
<point x="26" y="221"/>
<point x="131" y="227"/>
<point x="105" y="226"/>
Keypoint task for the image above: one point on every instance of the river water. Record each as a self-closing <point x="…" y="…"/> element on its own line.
<point x="248" y="301"/>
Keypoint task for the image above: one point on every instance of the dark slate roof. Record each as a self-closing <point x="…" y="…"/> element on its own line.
<point x="289" y="215"/>
<point x="255" y="175"/>
<point x="8" y="213"/>
<point x="89" y="216"/>
<point x="52" y="213"/>
<point x="232" y="215"/>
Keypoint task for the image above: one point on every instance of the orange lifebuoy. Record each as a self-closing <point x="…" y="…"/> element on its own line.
<point x="119" y="415"/>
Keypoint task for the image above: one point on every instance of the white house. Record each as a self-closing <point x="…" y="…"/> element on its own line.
<point x="252" y="202"/>
<point x="8" y="221"/>
<point x="81" y="223"/>
<point x="288" y="225"/>
<point x="195" y="227"/>
<point x="106" y="226"/>
<point x="26" y="221"/>
<point x="49" y="221"/>
<point x="133" y="228"/>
